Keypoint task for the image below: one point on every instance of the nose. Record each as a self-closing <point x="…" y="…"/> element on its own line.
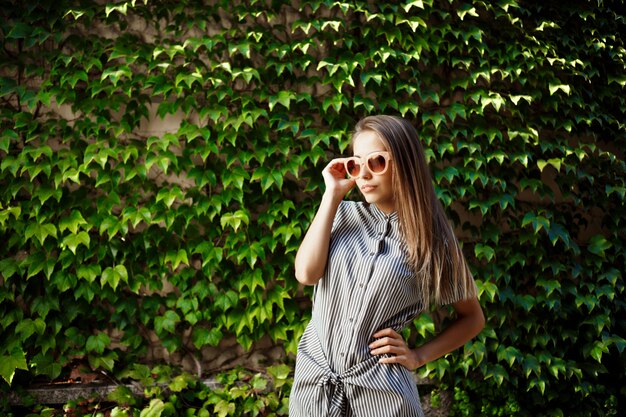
<point x="365" y="172"/>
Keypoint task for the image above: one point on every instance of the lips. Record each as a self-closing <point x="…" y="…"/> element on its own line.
<point x="367" y="188"/>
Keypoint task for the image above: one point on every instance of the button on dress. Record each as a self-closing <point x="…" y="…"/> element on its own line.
<point x="368" y="285"/>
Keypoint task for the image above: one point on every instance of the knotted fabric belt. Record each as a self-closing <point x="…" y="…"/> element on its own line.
<point x="335" y="394"/>
<point x="324" y="392"/>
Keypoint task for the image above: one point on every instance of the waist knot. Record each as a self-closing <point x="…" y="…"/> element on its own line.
<point x="335" y="394"/>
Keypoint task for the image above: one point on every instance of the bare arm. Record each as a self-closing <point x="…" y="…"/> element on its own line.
<point x="469" y="322"/>
<point x="312" y="254"/>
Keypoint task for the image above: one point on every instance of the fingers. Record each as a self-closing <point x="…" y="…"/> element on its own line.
<point x="336" y="167"/>
<point x="386" y="332"/>
<point x="335" y="178"/>
<point x="399" y="359"/>
<point x="391" y="349"/>
<point x="388" y="341"/>
<point x="384" y="345"/>
<point x="391" y="343"/>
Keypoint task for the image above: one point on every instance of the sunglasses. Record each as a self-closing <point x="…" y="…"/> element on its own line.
<point x="377" y="163"/>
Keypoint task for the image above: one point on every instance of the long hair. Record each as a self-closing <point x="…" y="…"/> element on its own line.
<point x="433" y="250"/>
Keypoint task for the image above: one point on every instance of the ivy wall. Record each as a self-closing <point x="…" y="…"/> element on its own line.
<point x="115" y="234"/>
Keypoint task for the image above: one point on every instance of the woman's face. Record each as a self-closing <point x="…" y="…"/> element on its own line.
<point x="377" y="189"/>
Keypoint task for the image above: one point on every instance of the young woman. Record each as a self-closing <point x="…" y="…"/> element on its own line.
<point x="376" y="266"/>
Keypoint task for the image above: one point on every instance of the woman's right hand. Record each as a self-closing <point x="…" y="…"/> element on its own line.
<point x="335" y="178"/>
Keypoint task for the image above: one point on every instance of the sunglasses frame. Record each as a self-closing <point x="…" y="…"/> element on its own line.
<point x="365" y="162"/>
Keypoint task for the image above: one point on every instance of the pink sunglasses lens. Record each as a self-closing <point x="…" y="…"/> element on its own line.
<point x="353" y="168"/>
<point x="377" y="163"/>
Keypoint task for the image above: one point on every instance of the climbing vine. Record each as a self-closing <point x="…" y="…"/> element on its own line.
<point x="115" y="230"/>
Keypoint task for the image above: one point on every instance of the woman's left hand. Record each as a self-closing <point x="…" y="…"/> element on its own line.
<point x="389" y="341"/>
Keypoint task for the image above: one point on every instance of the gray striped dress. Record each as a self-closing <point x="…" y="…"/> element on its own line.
<point x="368" y="286"/>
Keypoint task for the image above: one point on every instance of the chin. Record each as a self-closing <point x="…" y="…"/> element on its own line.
<point x="370" y="200"/>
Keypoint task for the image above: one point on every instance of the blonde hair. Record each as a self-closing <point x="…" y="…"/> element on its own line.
<point x="433" y="250"/>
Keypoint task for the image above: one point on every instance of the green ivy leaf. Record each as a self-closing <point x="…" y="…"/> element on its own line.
<point x="596" y="349"/>
<point x="253" y="279"/>
<point x="8" y="267"/>
<point x="72" y="222"/>
<point x="113" y="276"/>
<point x="180" y="383"/>
<point x="276" y="297"/>
<point x="106" y="361"/>
<point x="476" y="348"/>
<point x="155" y="409"/>
<point x="559" y="87"/>
<point x="588" y="300"/>
<point x="538" y="222"/>
<point x="526" y="301"/>
<point x="40" y="231"/>
<point x="226" y="300"/>
<point x="223" y="408"/>
<point x="28" y="327"/>
<point x="550" y="285"/>
<point x="9" y="363"/>
<point x="177" y="258"/>
<point x="72" y="241"/>
<point x="487" y="288"/>
<point x="483" y="251"/>
<point x="448" y="173"/>
<point x="283" y="98"/>
<point x="167" y="322"/>
<point x="8" y="136"/>
<point x="116" y="73"/>
<point x="509" y="354"/>
<point x="122" y="395"/>
<point x="516" y="98"/>
<point x="498" y="373"/>
<point x="280" y="372"/>
<point x="531" y="364"/>
<point x="558" y="232"/>
<point x="598" y="244"/>
<point x="234" y="220"/>
<point x="20" y="30"/>
<point x="38" y="262"/>
<point x="202" y="336"/>
<point x="424" y="325"/>
<point x="118" y="411"/>
<point x="46" y="364"/>
<point x="438" y="368"/>
<point x="540" y="383"/>
<point x="98" y="343"/>
<point x="258" y="383"/>
<point x="555" y="162"/>
<point x="88" y="272"/>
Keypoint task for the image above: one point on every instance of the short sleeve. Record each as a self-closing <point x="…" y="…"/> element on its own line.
<point x="340" y="216"/>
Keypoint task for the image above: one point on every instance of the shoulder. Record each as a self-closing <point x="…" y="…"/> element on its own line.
<point x="348" y="212"/>
<point x="352" y="208"/>
<point x="349" y="205"/>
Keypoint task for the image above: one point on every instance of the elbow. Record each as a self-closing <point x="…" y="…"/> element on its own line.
<point x="471" y="313"/>
<point x="479" y="321"/>
<point x="306" y="278"/>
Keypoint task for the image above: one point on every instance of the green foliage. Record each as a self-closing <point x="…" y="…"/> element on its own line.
<point x="521" y="108"/>
<point x="238" y="392"/>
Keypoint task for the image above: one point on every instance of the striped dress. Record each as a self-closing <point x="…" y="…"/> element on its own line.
<point x="368" y="286"/>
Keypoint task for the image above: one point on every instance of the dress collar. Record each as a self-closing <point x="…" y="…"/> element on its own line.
<point x="381" y="215"/>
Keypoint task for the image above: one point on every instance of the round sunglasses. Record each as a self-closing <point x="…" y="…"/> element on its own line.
<point x="377" y="163"/>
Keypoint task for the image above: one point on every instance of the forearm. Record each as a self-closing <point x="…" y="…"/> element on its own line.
<point x="459" y="332"/>
<point x="312" y="254"/>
